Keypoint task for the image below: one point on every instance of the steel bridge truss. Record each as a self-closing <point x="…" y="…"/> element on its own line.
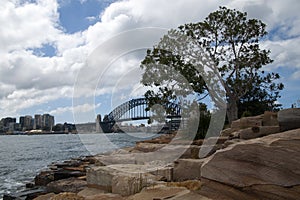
<point x="135" y="109"/>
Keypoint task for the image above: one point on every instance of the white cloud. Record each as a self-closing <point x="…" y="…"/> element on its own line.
<point x="27" y="79"/>
<point x="77" y="109"/>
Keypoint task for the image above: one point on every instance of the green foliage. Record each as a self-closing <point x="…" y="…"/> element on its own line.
<point x="232" y="41"/>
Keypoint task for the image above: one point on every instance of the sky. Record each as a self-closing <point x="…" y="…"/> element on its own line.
<point x="78" y="58"/>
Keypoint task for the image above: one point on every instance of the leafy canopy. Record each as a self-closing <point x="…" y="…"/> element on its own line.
<point x="233" y="44"/>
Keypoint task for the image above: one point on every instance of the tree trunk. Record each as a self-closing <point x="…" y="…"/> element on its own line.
<point x="232" y="110"/>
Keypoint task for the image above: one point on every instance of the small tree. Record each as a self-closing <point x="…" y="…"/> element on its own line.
<point x="232" y="41"/>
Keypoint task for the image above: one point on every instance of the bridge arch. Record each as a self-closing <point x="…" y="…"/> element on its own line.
<point x="134" y="109"/>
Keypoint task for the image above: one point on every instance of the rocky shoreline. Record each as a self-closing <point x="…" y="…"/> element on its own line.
<point x="257" y="158"/>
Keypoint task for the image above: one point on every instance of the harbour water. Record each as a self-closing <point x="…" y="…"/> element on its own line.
<point x="23" y="156"/>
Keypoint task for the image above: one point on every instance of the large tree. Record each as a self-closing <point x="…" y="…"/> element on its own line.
<point x="233" y="43"/>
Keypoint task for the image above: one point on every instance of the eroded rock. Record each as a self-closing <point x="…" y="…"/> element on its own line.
<point x="270" y="160"/>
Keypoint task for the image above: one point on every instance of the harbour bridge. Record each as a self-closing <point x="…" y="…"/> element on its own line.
<point x="136" y="109"/>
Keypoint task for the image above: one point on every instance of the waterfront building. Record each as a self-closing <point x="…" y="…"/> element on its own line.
<point x="5" y="122"/>
<point x="47" y="122"/>
<point x="37" y="121"/>
<point x="28" y="123"/>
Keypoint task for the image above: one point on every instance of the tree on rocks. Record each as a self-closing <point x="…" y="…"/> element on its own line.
<point x="233" y="43"/>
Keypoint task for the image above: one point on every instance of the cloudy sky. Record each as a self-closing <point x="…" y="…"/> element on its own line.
<point x="48" y="46"/>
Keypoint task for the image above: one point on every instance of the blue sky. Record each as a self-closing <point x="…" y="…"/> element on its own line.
<point x="46" y="45"/>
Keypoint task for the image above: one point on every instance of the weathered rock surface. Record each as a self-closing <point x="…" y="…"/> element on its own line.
<point x="187" y="169"/>
<point x="258" y="131"/>
<point x="86" y="192"/>
<point x="66" y="185"/>
<point x="122" y="179"/>
<point x="270" y="119"/>
<point x="104" y="160"/>
<point x="159" y="192"/>
<point x="247" y="122"/>
<point x="67" y="196"/>
<point x="107" y="196"/>
<point x="45" y="197"/>
<point x="289" y="119"/>
<point x="44" y="178"/>
<point x="271" y="160"/>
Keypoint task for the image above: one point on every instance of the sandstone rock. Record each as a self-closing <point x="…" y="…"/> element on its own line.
<point x="215" y="190"/>
<point x="215" y="140"/>
<point x="230" y="142"/>
<point x="67" y="196"/>
<point x="116" y="159"/>
<point x="274" y="192"/>
<point x="270" y="119"/>
<point x="270" y="160"/>
<point x="207" y="150"/>
<point x="86" y="192"/>
<point x="128" y="184"/>
<point x="247" y="122"/>
<point x="45" y="197"/>
<point x="192" y="185"/>
<point x="258" y="131"/>
<point x="66" y="185"/>
<point x="122" y="179"/>
<point x="107" y="196"/>
<point x="159" y="192"/>
<point x="227" y="132"/>
<point x="43" y="178"/>
<point x="191" y="152"/>
<point x="289" y="119"/>
<point x="187" y="169"/>
<point x="190" y="196"/>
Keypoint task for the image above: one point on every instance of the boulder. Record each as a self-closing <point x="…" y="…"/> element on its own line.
<point x="192" y="185"/>
<point x="45" y="197"/>
<point x="122" y="179"/>
<point x="215" y="140"/>
<point x="270" y="119"/>
<point x="207" y="150"/>
<point x="230" y="142"/>
<point x="86" y="192"/>
<point x="187" y="169"/>
<point x="227" y="132"/>
<point x="215" y="190"/>
<point x="67" y="196"/>
<point x="190" y="196"/>
<point x="289" y="119"/>
<point x="246" y="122"/>
<point x="103" y="160"/>
<point x="128" y="184"/>
<point x="258" y="131"/>
<point x="43" y="178"/>
<point x="66" y="185"/>
<point x="107" y="196"/>
<point x="271" y="160"/>
<point x="159" y="192"/>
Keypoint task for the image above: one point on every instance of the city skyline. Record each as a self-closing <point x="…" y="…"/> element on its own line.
<point x="40" y="67"/>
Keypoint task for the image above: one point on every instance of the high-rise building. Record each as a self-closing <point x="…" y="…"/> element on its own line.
<point x="22" y="121"/>
<point x="47" y="121"/>
<point x="28" y="122"/>
<point x="37" y="121"/>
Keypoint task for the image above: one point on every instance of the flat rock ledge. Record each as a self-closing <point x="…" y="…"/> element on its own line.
<point x="256" y="158"/>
